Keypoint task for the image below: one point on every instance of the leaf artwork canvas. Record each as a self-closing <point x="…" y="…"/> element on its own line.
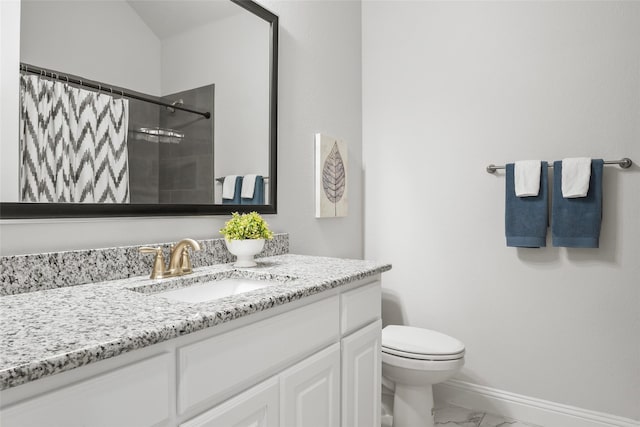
<point x="331" y="177"/>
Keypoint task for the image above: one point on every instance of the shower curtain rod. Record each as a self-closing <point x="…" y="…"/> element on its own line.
<point x="624" y="163"/>
<point x="106" y="88"/>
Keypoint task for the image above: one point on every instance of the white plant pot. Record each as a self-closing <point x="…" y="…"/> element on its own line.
<point x="245" y="250"/>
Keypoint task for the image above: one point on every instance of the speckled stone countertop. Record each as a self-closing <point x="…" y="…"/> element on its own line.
<point x="35" y="272"/>
<point x="55" y="330"/>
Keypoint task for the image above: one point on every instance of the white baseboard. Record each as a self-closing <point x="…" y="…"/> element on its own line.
<point x="527" y="409"/>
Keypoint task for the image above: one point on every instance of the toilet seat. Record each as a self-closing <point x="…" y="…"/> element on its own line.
<point x="420" y="365"/>
<point x="419" y="356"/>
<point x="420" y="344"/>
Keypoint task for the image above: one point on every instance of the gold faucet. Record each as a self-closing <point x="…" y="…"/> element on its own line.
<point x="179" y="260"/>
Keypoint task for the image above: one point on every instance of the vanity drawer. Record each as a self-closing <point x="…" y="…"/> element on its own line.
<point x="360" y="307"/>
<point x="218" y="367"/>
<point x="258" y="406"/>
<point x="137" y="394"/>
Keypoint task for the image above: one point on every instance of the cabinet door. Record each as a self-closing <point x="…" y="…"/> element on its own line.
<point x="361" y="371"/>
<point x="310" y="391"/>
<point x="212" y="370"/>
<point x="256" y="407"/>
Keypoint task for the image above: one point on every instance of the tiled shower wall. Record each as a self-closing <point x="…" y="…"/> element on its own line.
<point x="187" y="168"/>
<point x="143" y="155"/>
<point x="169" y="172"/>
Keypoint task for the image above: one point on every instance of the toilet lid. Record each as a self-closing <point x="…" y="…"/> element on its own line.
<point x="408" y="341"/>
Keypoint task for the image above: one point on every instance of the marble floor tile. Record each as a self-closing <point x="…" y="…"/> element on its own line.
<point x="454" y="416"/>
<point x="491" y="420"/>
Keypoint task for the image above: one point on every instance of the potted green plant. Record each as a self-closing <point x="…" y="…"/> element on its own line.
<point x="245" y="236"/>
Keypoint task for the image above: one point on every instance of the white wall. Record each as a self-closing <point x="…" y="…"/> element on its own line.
<point x="312" y="98"/>
<point x="9" y="98"/>
<point x="240" y="72"/>
<point x="100" y="40"/>
<point x="449" y="87"/>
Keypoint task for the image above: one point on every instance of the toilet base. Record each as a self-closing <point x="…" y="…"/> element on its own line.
<point x="413" y="406"/>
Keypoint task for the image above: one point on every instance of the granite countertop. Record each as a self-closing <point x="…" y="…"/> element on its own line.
<point x="55" y="330"/>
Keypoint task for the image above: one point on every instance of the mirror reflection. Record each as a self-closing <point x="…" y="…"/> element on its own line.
<point x="120" y="116"/>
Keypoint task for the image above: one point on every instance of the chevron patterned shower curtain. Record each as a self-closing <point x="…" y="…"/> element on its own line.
<point x="73" y="144"/>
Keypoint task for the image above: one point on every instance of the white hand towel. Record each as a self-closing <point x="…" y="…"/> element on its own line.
<point x="576" y="173"/>
<point x="527" y="177"/>
<point x="229" y="187"/>
<point x="248" y="186"/>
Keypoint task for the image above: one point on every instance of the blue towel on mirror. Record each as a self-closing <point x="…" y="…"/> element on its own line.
<point x="258" y="193"/>
<point x="526" y="218"/>
<point x="575" y="223"/>
<point x="236" y="193"/>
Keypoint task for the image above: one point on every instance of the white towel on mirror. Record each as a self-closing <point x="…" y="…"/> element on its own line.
<point x="248" y="186"/>
<point x="576" y="173"/>
<point x="526" y="174"/>
<point x="229" y="187"/>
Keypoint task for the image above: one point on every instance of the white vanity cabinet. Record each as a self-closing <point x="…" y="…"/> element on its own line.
<point x="312" y="362"/>
<point x="219" y="367"/>
<point x="361" y="329"/>
<point x="256" y="407"/>
<point x="306" y="394"/>
<point x="361" y="370"/>
<point x="310" y="391"/>
<point x="134" y="395"/>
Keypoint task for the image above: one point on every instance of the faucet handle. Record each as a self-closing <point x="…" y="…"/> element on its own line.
<point x="149" y="250"/>
<point x="185" y="263"/>
<point x="158" y="263"/>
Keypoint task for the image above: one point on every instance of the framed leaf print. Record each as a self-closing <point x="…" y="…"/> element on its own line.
<point x="331" y="177"/>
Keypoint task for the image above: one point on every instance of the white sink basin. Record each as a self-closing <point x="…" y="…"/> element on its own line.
<point x="215" y="289"/>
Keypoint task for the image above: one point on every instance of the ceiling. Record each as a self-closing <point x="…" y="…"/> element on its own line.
<point x="167" y="18"/>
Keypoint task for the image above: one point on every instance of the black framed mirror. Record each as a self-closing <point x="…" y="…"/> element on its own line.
<point x="173" y="169"/>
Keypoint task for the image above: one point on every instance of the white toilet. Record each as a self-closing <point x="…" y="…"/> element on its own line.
<point x="414" y="359"/>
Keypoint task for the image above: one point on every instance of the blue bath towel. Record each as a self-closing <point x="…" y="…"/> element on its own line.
<point x="258" y="193"/>
<point x="236" y="193"/>
<point x="575" y="223"/>
<point x="526" y="218"/>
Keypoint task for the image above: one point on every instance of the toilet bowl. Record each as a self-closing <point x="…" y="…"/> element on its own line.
<point x="414" y="359"/>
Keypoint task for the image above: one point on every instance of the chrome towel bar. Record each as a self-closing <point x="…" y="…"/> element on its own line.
<point x="624" y="163"/>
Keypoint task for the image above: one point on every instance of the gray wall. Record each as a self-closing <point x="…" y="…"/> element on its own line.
<point x="450" y="87"/>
